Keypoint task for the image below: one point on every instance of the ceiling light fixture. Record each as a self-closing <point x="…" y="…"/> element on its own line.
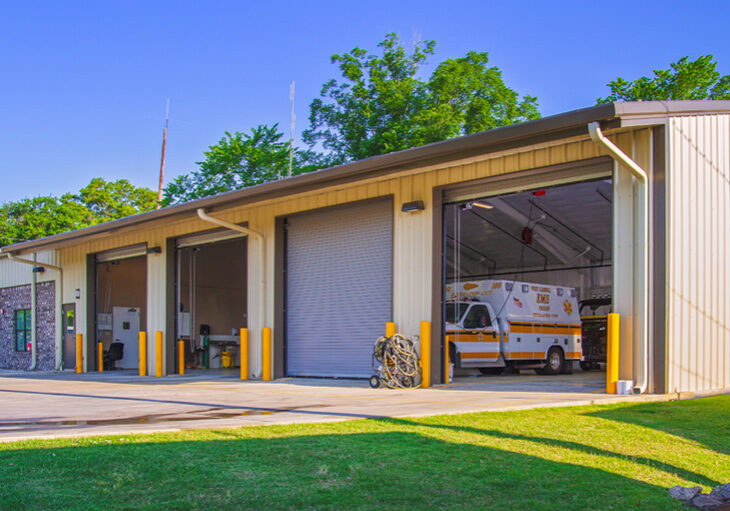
<point x="485" y="206"/>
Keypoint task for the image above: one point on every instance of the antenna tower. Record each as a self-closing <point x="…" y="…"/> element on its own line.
<point x="162" y="160"/>
<point x="291" y="128"/>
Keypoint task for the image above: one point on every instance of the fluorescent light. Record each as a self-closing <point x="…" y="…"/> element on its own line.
<point x="485" y="206"/>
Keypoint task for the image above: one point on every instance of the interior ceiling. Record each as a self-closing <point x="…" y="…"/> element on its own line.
<point x="571" y="227"/>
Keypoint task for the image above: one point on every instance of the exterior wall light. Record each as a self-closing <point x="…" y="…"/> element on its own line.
<point x="77" y="294"/>
<point x="413" y="206"/>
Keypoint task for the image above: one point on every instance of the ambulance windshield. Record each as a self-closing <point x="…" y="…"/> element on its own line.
<point x="455" y="311"/>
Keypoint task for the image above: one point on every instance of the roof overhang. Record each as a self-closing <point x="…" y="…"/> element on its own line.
<point x="555" y="127"/>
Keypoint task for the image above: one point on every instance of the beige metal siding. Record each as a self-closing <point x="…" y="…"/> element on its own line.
<point x="412" y="235"/>
<point x="18" y="274"/>
<point x="698" y="253"/>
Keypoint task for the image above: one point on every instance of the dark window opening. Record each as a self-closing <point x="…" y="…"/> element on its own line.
<point x="478" y="317"/>
<point x="455" y="311"/>
<point x="22" y="329"/>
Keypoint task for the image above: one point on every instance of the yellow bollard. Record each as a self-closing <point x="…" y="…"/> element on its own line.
<point x="425" y="354"/>
<point x="79" y="353"/>
<point x="143" y="353"/>
<point x="389" y="329"/>
<point x="158" y="353"/>
<point x="612" y="353"/>
<point x="100" y="357"/>
<point x="446" y="362"/>
<point x="180" y="357"/>
<point x="266" y="356"/>
<point x="243" y="349"/>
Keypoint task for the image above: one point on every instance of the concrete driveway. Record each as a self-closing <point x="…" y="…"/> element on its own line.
<point x="65" y="404"/>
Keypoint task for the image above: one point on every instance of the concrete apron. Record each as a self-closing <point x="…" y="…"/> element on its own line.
<point x="50" y="405"/>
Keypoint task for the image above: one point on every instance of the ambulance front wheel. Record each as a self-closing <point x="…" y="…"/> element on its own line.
<point x="374" y="381"/>
<point x="555" y="361"/>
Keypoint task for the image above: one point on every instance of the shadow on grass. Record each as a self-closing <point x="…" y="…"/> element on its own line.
<point x="368" y="470"/>
<point x="574" y="446"/>
<point x="705" y="421"/>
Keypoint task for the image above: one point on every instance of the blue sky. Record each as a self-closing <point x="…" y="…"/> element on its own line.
<point x="84" y="84"/>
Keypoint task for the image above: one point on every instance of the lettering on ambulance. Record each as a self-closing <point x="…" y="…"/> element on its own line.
<point x="541" y="328"/>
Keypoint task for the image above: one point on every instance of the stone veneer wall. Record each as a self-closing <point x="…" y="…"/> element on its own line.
<point x="14" y="298"/>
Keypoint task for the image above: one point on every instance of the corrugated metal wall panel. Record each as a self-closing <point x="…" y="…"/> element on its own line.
<point x="698" y="307"/>
<point x="19" y="274"/>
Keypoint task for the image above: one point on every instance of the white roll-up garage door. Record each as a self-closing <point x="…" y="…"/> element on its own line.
<point x="339" y="288"/>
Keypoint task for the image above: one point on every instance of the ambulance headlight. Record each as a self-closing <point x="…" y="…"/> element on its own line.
<point x="525" y="288"/>
<point x="508" y="286"/>
<point x="572" y="293"/>
<point x="560" y="291"/>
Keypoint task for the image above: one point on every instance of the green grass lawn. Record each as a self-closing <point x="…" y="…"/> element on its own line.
<point x="598" y="457"/>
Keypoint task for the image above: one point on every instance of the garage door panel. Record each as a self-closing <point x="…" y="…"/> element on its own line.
<point x="339" y="288"/>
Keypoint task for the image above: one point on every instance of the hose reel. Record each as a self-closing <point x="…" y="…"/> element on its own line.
<point x="396" y="363"/>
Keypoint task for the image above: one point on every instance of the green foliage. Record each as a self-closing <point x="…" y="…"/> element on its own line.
<point x="382" y="105"/>
<point x="115" y="199"/>
<point x="698" y="79"/>
<point x="98" y="202"/>
<point x="239" y="160"/>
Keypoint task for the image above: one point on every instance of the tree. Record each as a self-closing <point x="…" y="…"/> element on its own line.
<point x="698" y="79"/>
<point x="38" y="217"/>
<point x="382" y="105"/>
<point x="98" y="202"/>
<point x="239" y="160"/>
<point x="115" y="199"/>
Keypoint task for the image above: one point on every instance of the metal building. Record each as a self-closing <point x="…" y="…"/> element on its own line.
<point x="328" y="257"/>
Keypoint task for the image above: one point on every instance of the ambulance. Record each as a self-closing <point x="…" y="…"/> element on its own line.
<point x="493" y="324"/>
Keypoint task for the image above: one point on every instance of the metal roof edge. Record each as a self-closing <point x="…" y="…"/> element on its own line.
<point x="360" y="169"/>
<point x="647" y="109"/>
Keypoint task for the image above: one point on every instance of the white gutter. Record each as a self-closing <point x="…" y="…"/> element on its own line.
<point x="59" y="308"/>
<point x="642" y="178"/>
<point x="262" y="251"/>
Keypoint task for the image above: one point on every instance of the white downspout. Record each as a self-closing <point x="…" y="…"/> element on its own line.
<point x="642" y="178"/>
<point x="262" y="251"/>
<point x="33" y="315"/>
<point x="59" y="308"/>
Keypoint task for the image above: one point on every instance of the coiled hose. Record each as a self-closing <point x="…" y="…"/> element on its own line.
<point x="397" y="361"/>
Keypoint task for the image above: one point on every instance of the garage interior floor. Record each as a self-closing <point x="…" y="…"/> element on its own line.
<point x="53" y="405"/>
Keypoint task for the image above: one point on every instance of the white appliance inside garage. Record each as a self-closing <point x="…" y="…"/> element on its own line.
<point x="125" y="329"/>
